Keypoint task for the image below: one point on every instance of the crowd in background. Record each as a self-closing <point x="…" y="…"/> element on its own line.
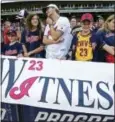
<point x="63" y="7"/>
<point x="59" y="37"/>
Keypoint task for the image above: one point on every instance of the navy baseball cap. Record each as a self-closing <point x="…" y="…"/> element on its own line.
<point x="12" y="32"/>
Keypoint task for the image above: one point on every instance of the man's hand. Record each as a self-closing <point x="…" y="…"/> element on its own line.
<point x="61" y="39"/>
<point x="49" y="21"/>
<point x="26" y="54"/>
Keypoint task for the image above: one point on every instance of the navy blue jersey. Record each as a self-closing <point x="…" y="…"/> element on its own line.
<point x="95" y="29"/>
<point x="13" y="50"/>
<point x="32" y="41"/>
<point x="105" y="38"/>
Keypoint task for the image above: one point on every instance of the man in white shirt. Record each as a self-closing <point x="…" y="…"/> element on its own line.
<point x="57" y="35"/>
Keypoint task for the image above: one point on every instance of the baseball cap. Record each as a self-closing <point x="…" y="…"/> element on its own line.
<point x="87" y="16"/>
<point x="100" y="17"/>
<point x="12" y="32"/>
<point x="22" y="14"/>
<point x="50" y="6"/>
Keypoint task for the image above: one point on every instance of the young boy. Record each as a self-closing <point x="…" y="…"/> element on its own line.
<point x="14" y="48"/>
<point x="84" y="42"/>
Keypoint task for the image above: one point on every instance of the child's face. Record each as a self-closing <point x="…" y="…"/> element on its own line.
<point x="86" y="25"/>
<point x="35" y="21"/>
<point x="111" y="25"/>
<point x="12" y="37"/>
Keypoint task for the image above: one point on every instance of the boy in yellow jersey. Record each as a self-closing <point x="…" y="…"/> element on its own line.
<point x="84" y="42"/>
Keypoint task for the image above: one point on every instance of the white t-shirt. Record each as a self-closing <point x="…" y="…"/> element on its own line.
<point x="59" y="50"/>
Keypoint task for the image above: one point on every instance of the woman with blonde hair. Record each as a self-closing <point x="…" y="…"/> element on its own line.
<point x="106" y="39"/>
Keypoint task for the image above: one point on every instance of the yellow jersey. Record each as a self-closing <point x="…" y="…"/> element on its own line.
<point x="84" y="51"/>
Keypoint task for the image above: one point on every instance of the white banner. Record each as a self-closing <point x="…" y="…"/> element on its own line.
<point x="62" y="85"/>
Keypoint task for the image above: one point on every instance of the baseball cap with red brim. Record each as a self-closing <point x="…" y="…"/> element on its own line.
<point x="87" y="16"/>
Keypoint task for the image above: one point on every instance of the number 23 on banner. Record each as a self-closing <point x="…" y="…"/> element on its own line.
<point x="35" y="65"/>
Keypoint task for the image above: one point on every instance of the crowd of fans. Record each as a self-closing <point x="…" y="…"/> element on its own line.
<point x="63" y="7"/>
<point x="59" y="37"/>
